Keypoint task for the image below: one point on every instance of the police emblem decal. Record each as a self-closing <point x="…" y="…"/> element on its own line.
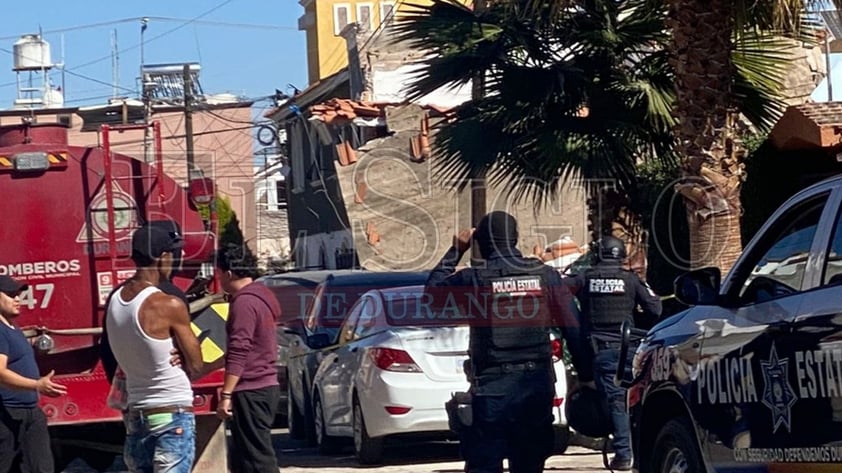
<point x="778" y="395"/>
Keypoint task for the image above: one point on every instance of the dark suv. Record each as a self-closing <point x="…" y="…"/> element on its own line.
<point x="750" y="378"/>
<point x="318" y="333"/>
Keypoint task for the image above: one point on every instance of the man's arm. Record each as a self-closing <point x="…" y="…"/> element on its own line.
<point x="43" y="385"/>
<point x="173" y="309"/>
<point x="444" y="274"/>
<point x="243" y="323"/>
<point x="566" y="316"/>
<point x="646" y="298"/>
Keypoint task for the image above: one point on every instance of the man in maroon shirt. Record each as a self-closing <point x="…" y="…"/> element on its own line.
<point x="251" y="393"/>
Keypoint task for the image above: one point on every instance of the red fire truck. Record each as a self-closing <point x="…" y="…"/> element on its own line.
<point x="68" y="214"/>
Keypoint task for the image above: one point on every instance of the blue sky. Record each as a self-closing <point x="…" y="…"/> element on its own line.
<point x="249" y="61"/>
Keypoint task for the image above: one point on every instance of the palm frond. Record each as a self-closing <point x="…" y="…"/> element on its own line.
<point x="762" y="62"/>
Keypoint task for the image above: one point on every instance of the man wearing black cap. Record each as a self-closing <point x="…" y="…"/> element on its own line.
<point x="166" y="286"/>
<point x="24" y="439"/>
<point x="510" y="302"/>
<point x="145" y="326"/>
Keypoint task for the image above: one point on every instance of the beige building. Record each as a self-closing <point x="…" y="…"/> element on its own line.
<point x="363" y="189"/>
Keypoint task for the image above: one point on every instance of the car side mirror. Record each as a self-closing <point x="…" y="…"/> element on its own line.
<point x="699" y="287"/>
<point x="318" y="340"/>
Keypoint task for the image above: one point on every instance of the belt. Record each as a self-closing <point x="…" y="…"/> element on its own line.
<point x="159" y="410"/>
<point x="514" y="367"/>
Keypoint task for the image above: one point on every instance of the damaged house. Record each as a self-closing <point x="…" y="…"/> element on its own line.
<point x="362" y="190"/>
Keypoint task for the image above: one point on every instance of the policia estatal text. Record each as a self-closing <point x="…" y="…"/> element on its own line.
<point x="510" y="360"/>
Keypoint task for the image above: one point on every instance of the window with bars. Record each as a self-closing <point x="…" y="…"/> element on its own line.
<point x="364" y="16"/>
<point x="341" y="17"/>
<point x="387" y="9"/>
<point x="281" y="192"/>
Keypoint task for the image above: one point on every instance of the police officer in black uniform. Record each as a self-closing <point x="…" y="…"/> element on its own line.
<point x="510" y="361"/>
<point x="609" y="295"/>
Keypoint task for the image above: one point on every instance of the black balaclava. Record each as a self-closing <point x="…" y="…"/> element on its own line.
<point x="496" y="232"/>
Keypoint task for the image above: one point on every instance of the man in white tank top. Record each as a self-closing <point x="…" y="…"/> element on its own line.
<point x="144" y="326"/>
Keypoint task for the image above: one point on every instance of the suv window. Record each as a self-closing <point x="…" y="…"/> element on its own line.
<point x="780" y="261"/>
<point x="833" y="265"/>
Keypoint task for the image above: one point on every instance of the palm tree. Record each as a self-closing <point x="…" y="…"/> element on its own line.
<point x="576" y="90"/>
<point x="581" y="94"/>
<point x="708" y="139"/>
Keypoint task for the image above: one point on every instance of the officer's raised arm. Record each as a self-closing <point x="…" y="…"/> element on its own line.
<point x="444" y="274"/>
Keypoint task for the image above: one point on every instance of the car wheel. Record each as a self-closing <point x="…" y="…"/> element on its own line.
<point x="676" y="450"/>
<point x="295" y="421"/>
<point x="327" y="444"/>
<point x="561" y="440"/>
<point x="369" y="451"/>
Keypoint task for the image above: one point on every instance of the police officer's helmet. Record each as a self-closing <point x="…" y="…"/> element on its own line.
<point x="587" y="412"/>
<point x="610" y="248"/>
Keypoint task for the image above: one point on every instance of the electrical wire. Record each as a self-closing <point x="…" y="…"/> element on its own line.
<point x="76" y="74"/>
<point x="251" y="26"/>
<point x="165" y="33"/>
<point x="78" y="27"/>
<point x="82" y="76"/>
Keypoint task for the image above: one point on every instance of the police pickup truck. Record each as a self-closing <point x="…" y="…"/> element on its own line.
<point x="750" y="378"/>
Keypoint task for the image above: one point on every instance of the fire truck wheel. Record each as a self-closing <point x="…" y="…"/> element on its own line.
<point x="676" y="448"/>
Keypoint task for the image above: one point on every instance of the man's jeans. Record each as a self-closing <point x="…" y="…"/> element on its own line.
<point x="605" y="366"/>
<point x="160" y="443"/>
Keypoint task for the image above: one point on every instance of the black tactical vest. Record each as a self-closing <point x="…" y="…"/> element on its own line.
<point x="607" y="298"/>
<point x="517" y="317"/>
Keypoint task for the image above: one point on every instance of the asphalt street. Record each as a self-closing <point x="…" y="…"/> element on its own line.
<point x="405" y="457"/>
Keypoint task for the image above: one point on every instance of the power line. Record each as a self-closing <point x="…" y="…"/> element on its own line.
<point x="82" y="76"/>
<point x="79" y="27"/>
<point x="251" y="26"/>
<point x="76" y="74"/>
<point x="101" y="24"/>
<point x="171" y="30"/>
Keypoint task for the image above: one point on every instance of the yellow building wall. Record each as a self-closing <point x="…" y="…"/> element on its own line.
<point x="327" y="52"/>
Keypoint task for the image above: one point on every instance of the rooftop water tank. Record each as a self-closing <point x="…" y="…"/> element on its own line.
<point x="31" y="53"/>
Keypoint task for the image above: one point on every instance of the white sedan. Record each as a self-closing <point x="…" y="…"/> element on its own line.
<point x="382" y="380"/>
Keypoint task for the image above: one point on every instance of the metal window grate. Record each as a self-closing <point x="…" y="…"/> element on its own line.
<point x="166" y="81"/>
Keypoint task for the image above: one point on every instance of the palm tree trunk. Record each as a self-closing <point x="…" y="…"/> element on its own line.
<point x="711" y="153"/>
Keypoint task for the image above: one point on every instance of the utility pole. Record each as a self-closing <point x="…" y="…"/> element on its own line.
<point x="478" y="196"/>
<point x="188" y="118"/>
<point x="144" y="94"/>
<point x="828" y="77"/>
<point x="115" y="65"/>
